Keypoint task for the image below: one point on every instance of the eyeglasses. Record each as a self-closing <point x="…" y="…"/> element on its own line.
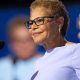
<point x="38" y="21"/>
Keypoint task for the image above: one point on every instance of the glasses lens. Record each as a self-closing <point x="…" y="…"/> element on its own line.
<point x="39" y="21"/>
<point x="28" y="24"/>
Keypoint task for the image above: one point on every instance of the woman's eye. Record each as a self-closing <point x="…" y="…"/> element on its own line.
<point x="30" y="22"/>
<point x="40" y="20"/>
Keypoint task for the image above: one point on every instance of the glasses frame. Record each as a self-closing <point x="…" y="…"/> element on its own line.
<point x="28" y="25"/>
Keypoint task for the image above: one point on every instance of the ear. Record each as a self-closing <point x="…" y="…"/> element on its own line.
<point x="60" y="21"/>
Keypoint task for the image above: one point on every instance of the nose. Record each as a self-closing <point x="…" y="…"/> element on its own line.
<point x="34" y="26"/>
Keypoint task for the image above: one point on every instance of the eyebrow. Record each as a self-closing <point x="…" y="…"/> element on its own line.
<point x="43" y="17"/>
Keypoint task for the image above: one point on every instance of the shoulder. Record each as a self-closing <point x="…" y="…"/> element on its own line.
<point x="74" y="46"/>
<point x="77" y="49"/>
<point x="69" y="43"/>
<point x="76" y="55"/>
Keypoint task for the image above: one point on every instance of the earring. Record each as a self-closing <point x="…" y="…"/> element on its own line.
<point x="59" y="28"/>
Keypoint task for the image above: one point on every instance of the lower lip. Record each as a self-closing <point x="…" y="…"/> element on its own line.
<point x="36" y="34"/>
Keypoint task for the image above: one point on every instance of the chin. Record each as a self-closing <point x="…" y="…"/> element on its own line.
<point x="39" y="41"/>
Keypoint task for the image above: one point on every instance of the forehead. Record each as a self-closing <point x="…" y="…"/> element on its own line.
<point x="39" y="12"/>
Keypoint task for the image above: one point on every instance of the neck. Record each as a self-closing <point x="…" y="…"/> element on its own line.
<point x="57" y="42"/>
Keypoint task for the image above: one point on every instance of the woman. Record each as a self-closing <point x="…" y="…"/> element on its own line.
<point x="48" y="25"/>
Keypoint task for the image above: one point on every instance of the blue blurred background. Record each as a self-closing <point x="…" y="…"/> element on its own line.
<point x="9" y="9"/>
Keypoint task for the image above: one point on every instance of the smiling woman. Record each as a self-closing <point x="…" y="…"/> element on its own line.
<point x="48" y="26"/>
<point x="48" y="21"/>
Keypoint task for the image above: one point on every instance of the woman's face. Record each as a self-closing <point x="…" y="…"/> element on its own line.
<point x="45" y="32"/>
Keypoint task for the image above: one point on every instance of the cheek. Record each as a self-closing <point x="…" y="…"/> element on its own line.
<point x="47" y="30"/>
<point x="52" y="31"/>
<point x="44" y="31"/>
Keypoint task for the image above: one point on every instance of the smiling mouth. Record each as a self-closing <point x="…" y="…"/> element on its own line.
<point x="36" y="34"/>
